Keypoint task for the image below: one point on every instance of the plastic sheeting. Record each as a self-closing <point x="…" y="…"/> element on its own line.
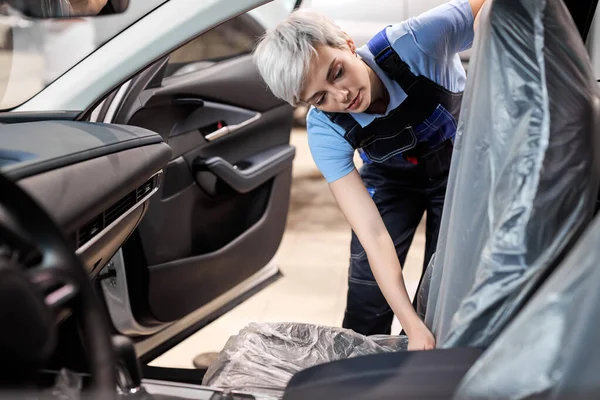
<point x="549" y="349"/>
<point x="262" y="358"/>
<point x="523" y="183"/>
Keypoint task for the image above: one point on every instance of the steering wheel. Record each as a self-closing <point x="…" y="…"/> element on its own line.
<point x="41" y="278"/>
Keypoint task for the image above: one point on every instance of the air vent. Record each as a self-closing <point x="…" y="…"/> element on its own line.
<point x="90" y="229"/>
<point x="96" y="225"/>
<point x="119" y="209"/>
<point x="144" y="189"/>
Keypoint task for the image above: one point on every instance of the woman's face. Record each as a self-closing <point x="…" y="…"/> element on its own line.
<point x="337" y="81"/>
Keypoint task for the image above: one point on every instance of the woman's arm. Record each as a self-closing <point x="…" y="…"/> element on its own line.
<point x="365" y="220"/>
<point x="476" y="6"/>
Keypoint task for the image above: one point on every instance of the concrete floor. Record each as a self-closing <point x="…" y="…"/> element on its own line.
<point x="313" y="259"/>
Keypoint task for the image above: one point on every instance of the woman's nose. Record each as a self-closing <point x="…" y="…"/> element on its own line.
<point x="343" y="95"/>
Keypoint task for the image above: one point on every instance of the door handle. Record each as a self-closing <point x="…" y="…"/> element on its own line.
<point x="248" y="174"/>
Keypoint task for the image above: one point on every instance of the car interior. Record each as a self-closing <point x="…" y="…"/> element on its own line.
<point x="183" y="189"/>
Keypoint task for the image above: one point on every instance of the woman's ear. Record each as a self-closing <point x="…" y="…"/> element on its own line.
<point x="350" y="43"/>
<point x="352" y="46"/>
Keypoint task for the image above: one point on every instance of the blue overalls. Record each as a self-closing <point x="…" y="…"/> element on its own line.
<point x="407" y="159"/>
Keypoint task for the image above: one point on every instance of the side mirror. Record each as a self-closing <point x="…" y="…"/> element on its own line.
<point x="67" y="8"/>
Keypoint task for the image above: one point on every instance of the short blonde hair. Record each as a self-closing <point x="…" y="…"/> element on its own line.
<point x="283" y="54"/>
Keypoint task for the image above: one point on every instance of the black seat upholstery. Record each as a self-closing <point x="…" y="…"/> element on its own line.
<point x="408" y="375"/>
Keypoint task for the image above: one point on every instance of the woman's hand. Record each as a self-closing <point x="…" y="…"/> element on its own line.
<point x="421" y="339"/>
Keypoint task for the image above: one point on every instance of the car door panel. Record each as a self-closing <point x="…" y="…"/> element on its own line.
<point x="210" y="119"/>
<point x="177" y="288"/>
<point x="235" y="81"/>
<point x="220" y="214"/>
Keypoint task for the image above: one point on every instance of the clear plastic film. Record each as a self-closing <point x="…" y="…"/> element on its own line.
<point x="549" y="350"/>
<point x="262" y="358"/>
<point x="523" y="180"/>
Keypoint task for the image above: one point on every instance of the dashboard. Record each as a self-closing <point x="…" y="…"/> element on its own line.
<point x="93" y="179"/>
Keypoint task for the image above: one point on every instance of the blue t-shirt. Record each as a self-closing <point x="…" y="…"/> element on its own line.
<point x="429" y="44"/>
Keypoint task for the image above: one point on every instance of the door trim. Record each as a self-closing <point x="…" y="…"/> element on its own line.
<point x="226" y="130"/>
<point x="178" y="331"/>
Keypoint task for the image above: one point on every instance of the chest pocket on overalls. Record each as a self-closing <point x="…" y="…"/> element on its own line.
<point x="380" y="148"/>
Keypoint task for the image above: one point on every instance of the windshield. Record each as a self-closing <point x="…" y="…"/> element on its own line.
<point x="35" y="52"/>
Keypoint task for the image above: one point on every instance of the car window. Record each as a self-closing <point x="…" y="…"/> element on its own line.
<point x="35" y="52"/>
<point x="233" y="38"/>
<point x="230" y="39"/>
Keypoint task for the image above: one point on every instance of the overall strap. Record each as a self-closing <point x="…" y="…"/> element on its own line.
<point x="390" y="62"/>
<point x="342" y="119"/>
<point x="349" y="124"/>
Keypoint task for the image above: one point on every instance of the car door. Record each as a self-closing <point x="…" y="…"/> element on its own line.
<point x="210" y="234"/>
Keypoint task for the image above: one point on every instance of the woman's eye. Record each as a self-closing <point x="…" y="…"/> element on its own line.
<point x="320" y="101"/>
<point x="339" y="73"/>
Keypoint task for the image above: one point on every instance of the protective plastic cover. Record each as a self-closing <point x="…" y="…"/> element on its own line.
<point x="523" y="182"/>
<point x="262" y="358"/>
<point x="549" y="349"/>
